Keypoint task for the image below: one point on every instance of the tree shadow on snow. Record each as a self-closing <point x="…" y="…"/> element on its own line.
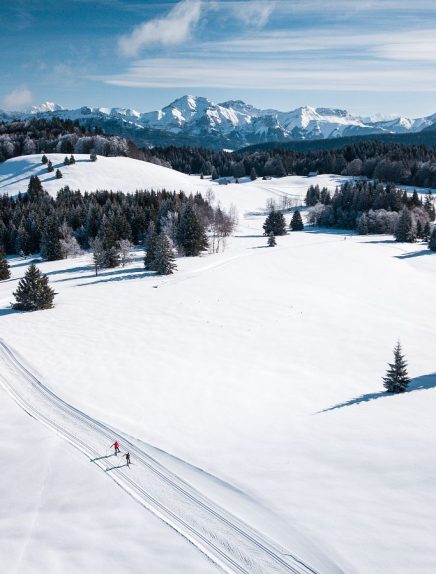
<point x="422" y="383"/>
<point x="419" y="253"/>
<point x="117" y="275"/>
<point x="8" y="311"/>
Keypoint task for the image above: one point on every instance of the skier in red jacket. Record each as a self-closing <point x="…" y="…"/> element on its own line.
<point x="116" y="447"/>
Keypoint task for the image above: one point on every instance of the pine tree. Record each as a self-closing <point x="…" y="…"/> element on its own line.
<point x="275" y="222"/>
<point x="253" y="174"/>
<point x="58" y="174"/>
<point x="34" y="189"/>
<point x="432" y="242"/>
<point x="50" y="167"/>
<point x="51" y="248"/>
<point x="33" y="292"/>
<point x="297" y="222"/>
<point x="396" y="379"/>
<point x="429" y="207"/>
<point x="44" y="159"/>
<point x="93" y="156"/>
<point x="272" y="240"/>
<point x="164" y="259"/>
<point x="150" y="250"/>
<point x="191" y="235"/>
<point x="72" y="160"/>
<point x="66" y="161"/>
<point x="5" y="272"/>
<point x="98" y="254"/>
<point x="419" y="229"/>
<point x="426" y="232"/>
<point x="404" y="231"/>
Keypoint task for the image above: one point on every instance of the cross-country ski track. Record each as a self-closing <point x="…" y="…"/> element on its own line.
<point x="228" y="542"/>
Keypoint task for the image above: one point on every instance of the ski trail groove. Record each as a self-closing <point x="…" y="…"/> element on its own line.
<point x="227" y="541"/>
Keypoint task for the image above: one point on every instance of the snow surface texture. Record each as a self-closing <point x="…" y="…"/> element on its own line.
<point x="259" y="369"/>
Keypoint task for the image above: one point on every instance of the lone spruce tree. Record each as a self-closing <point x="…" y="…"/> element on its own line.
<point x="5" y="272"/>
<point x="164" y="260"/>
<point x="272" y="240"/>
<point x="33" y="292"/>
<point x="297" y="222"/>
<point x="275" y="222"/>
<point x="396" y="379"/>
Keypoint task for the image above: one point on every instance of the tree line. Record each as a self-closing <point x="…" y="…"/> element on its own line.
<point x="373" y="207"/>
<point x="390" y="162"/>
<point x="33" y="136"/>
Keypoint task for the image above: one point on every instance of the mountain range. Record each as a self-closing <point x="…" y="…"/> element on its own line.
<point x="198" y="121"/>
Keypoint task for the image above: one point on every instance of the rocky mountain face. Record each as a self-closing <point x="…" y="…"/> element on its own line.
<point x="197" y="121"/>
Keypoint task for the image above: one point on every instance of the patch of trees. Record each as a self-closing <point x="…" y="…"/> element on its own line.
<point x="111" y="224"/>
<point x="389" y="162"/>
<point x="26" y="137"/>
<point x="371" y="207"/>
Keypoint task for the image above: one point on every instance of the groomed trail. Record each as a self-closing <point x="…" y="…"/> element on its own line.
<point x="223" y="538"/>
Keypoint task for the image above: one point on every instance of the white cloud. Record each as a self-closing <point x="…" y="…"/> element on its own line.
<point x="273" y="74"/>
<point x="254" y="13"/>
<point x="175" y="28"/>
<point x="17" y="99"/>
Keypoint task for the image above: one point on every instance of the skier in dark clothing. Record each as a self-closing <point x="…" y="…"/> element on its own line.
<point x="127" y="456"/>
<point x="116" y="447"/>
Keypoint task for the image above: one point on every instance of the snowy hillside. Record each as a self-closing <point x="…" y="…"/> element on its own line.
<point x="200" y="121"/>
<point x="250" y="379"/>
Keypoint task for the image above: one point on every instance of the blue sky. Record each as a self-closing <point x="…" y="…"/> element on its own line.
<point x="365" y="56"/>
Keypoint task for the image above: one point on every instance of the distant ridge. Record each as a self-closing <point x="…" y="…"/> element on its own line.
<point x="198" y="121"/>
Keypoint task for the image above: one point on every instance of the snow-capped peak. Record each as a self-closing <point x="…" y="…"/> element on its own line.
<point x="45" y="107"/>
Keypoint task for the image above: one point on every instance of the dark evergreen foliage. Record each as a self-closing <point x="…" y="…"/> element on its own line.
<point x="271" y="240"/>
<point x="5" y="271"/>
<point x="275" y="223"/>
<point x="191" y="234"/>
<point x="404" y="231"/>
<point x="51" y="240"/>
<point x="396" y="379"/>
<point x="50" y="167"/>
<point x="44" y="159"/>
<point x="296" y="221"/>
<point x="432" y="242"/>
<point x="58" y="174"/>
<point x="66" y="161"/>
<point x="33" y="292"/>
<point x="389" y="162"/>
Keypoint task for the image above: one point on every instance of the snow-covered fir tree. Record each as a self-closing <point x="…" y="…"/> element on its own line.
<point x="396" y="379"/>
<point x="69" y="244"/>
<point x="5" y="271"/>
<point x="275" y="222"/>
<point x="164" y="260"/>
<point x="296" y="221"/>
<point x="33" y="292"/>
<point x="44" y="160"/>
<point x="50" y="167"/>
<point x="125" y="248"/>
<point x="271" y="240"/>
<point x="58" y="174"/>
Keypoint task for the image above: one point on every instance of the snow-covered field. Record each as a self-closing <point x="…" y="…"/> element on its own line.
<point x="258" y="369"/>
